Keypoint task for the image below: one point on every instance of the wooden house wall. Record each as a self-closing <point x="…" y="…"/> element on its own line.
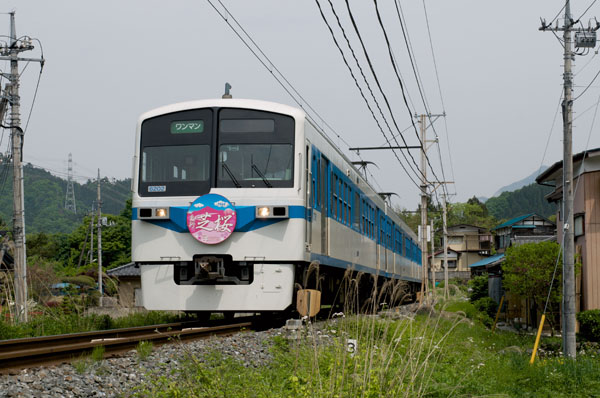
<point x="591" y="243"/>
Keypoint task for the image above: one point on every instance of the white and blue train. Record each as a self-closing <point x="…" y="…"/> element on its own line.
<point x="233" y="199"/>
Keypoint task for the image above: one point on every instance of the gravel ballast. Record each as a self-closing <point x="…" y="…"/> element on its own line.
<point x="116" y="376"/>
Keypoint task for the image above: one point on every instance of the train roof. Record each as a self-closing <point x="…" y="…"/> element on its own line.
<point x="228" y="103"/>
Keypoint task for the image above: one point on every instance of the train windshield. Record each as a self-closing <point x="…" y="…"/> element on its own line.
<point x="187" y="153"/>
<point x="256" y="165"/>
<point x="256" y="149"/>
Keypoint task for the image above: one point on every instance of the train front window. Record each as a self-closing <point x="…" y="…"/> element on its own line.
<point x="175" y="163"/>
<point x="176" y="154"/>
<point x="256" y="165"/>
<point x="255" y="150"/>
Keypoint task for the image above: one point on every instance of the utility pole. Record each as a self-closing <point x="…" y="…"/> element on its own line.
<point x="92" y="234"/>
<point x="445" y="226"/>
<point x="432" y="255"/>
<point x="585" y="38"/>
<point x="424" y="264"/>
<point x="10" y="53"/>
<point x="99" y="240"/>
<point x="424" y="184"/>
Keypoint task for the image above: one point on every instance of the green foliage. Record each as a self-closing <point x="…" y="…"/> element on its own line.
<point x="478" y="287"/>
<point x="486" y="305"/>
<point x="69" y="318"/>
<point x="528" y="271"/>
<point x="80" y="280"/>
<point x="45" y="200"/>
<point x="529" y="199"/>
<point x="589" y="322"/>
<point x="462" y="306"/>
<point x="144" y="349"/>
<point x="473" y="212"/>
<point x="448" y="359"/>
<point x="98" y="353"/>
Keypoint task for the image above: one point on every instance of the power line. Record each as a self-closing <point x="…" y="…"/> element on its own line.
<point x="586" y="10"/>
<point x="361" y="91"/>
<point x="369" y="86"/>
<point x="289" y="88"/>
<point x="387" y="41"/>
<point x="437" y="76"/>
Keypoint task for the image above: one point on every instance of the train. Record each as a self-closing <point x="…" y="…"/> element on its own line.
<point x="234" y="200"/>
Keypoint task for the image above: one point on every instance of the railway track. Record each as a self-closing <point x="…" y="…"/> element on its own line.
<point x="28" y="352"/>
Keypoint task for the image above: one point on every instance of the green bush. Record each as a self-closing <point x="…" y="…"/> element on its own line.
<point x="486" y="305"/>
<point x="478" y="287"/>
<point x="589" y="322"/>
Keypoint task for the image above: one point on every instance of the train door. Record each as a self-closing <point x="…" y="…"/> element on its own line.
<point x="308" y="200"/>
<point x="323" y="190"/>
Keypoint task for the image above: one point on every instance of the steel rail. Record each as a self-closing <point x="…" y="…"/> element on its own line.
<point x="35" y="351"/>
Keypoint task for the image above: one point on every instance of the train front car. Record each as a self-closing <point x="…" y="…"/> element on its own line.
<point x="219" y="205"/>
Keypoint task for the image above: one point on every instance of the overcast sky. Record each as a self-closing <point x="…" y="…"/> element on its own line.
<point x="110" y="61"/>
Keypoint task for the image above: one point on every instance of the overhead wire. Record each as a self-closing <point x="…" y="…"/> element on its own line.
<point x="289" y="88"/>
<point x="567" y="216"/>
<point x="387" y="41"/>
<point x="278" y="76"/>
<point x="361" y="91"/>
<point x="588" y="86"/>
<point x="586" y="10"/>
<point x="368" y="85"/>
<point x="437" y="76"/>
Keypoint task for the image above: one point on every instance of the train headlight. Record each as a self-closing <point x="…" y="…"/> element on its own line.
<point x="161" y="212"/>
<point x="263" y="212"/>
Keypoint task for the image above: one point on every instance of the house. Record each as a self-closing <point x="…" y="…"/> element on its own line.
<point x="471" y="244"/>
<point x="437" y="264"/>
<point x="130" y="284"/>
<point x="528" y="228"/>
<point x="586" y="212"/>
<point x="523" y="229"/>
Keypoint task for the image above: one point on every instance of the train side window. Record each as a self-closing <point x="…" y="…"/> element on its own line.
<point x="333" y="196"/>
<point x="356" y="212"/>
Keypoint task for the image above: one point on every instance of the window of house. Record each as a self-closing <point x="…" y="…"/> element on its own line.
<point x="579" y="226"/>
<point x="455" y="240"/>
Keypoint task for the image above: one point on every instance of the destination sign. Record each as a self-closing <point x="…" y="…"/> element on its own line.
<point x="187" y="126"/>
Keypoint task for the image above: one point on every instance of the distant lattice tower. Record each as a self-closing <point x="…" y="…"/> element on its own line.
<point x="70" y="196"/>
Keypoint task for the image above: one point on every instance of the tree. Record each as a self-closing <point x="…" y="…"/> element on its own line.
<point x="528" y="272"/>
<point x="473" y="212"/>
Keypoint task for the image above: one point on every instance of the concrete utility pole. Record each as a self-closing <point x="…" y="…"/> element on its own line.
<point x="99" y="240"/>
<point x="11" y="53"/>
<point x="445" y="223"/>
<point x="585" y="38"/>
<point x="424" y="264"/>
<point x="569" y="341"/>
<point x="432" y="255"/>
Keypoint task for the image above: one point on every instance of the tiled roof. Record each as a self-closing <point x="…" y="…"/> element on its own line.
<point x="129" y="269"/>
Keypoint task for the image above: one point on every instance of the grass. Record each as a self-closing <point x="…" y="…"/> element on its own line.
<point x="57" y="321"/>
<point x="434" y="354"/>
<point x="144" y="349"/>
<point x="87" y="362"/>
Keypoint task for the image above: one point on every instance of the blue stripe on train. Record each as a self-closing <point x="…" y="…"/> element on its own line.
<point x="336" y="262"/>
<point x="246" y="218"/>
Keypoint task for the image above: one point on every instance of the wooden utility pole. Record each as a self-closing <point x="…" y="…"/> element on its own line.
<point x="10" y="53"/>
